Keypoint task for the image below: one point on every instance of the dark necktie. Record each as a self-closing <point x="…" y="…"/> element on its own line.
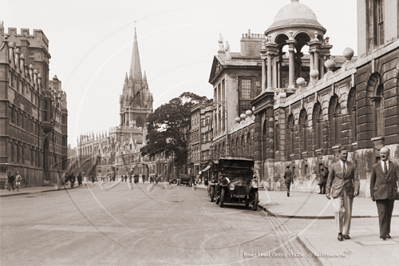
<point x="385" y="167"/>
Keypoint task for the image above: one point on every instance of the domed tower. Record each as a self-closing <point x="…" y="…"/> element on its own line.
<point x="294" y="25"/>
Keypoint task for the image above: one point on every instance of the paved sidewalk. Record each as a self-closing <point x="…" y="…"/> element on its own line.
<point x="312" y="205"/>
<point x="309" y="217"/>
<point x="31" y="190"/>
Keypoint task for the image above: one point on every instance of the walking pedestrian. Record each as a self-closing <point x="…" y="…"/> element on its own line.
<point x="18" y="180"/>
<point x="323" y="179"/>
<point x="343" y="185"/>
<point x="143" y="178"/>
<point x="384" y="183"/>
<point x="80" y="179"/>
<point x="125" y="178"/>
<point x="288" y="177"/>
<point x="72" y="179"/>
<point x="11" y="179"/>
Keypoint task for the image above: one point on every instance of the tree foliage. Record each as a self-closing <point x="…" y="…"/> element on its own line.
<point x="166" y="126"/>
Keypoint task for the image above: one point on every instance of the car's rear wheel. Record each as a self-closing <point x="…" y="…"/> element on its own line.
<point x="222" y="195"/>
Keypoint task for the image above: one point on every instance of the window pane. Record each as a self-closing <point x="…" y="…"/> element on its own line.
<point x="246" y="88"/>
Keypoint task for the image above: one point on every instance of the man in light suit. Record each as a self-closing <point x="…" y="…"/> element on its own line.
<point x="384" y="183"/>
<point x="343" y="185"/>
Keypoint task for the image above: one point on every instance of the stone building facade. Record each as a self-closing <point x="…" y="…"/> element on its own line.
<point x="304" y="117"/>
<point x="34" y="115"/>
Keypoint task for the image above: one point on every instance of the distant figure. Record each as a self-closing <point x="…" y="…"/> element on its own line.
<point x="11" y="179"/>
<point x="73" y="180"/>
<point x="384" y="183"/>
<point x="18" y="180"/>
<point x="289" y="179"/>
<point x="343" y="185"/>
<point x="143" y="178"/>
<point x="79" y="179"/>
<point x="323" y="179"/>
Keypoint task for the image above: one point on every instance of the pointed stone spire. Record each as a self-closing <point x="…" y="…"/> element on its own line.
<point x="144" y="76"/>
<point x="135" y="67"/>
<point x="126" y="78"/>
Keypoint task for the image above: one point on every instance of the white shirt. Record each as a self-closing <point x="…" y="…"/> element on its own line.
<point x="382" y="165"/>
<point x="342" y="165"/>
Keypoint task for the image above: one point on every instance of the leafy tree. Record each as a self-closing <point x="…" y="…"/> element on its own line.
<point x="166" y="126"/>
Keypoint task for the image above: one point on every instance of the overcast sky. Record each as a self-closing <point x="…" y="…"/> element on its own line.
<point x="91" y="44"/>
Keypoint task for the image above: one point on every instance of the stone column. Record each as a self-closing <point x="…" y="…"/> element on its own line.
<point x="291" y="83"/>
<point x="263" y="75"/>
<point x="316" y="61"/>
<point x="279" y="73"/>
<point x="311" y="61"/>
<point x="269" y="70"/>
<point x="274" y="71"/>
<point x="321" y="67"/>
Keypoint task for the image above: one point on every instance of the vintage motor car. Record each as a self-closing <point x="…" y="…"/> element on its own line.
<point x="237" y="183"/>
<point x="172" y="180"/>
<point x="186" y="179"/>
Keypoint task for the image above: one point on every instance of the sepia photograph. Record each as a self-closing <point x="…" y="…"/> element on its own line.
<point x="199" y="133"/>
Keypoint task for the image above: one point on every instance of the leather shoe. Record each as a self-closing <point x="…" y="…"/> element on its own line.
<point x="340" y="238"/>
<point x="389" y="236"/>
<point x="383" y="238"/>
<point x="346" y="237"/>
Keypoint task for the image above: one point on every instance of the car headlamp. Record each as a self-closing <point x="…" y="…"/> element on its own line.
<point x="231" y="187"/>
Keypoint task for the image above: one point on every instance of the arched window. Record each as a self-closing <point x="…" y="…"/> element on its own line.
<point x="335" y="120"/>
<point x="140" y="122"/>
<point x="291" y="135"/>
<point x="337" y="123"/>
<point x="277" y="136"/>
<point x="379" y="125"/>
<point x="352" y="114"/>
<point x="303" y="120"/>
<point x="317" y="118"/>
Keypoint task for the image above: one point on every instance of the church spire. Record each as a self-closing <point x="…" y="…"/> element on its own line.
<point x="135" y="68"/>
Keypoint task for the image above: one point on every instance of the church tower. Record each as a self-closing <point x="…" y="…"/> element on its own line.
<point x="136" y="99"/>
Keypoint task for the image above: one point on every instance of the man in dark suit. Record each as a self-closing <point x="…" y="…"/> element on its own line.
<point x="289" y="179"/>
<point x="10" y="180"/>
<point x="323" y="179"/>
<point x="384" y="184"/>
<point x="343" y="185"/>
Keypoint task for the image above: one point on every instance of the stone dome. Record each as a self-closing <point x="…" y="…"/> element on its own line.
<point x="295" y="15"/>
